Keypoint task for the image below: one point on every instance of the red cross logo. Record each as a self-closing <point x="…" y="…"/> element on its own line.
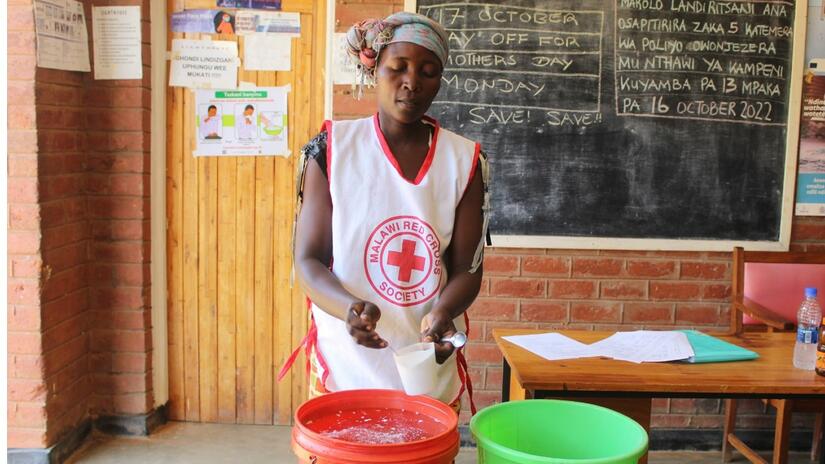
<point x="406" y="260"/>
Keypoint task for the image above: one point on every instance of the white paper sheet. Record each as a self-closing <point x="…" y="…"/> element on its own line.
<point x="645" y="346"/>
<point x="117" y="47"/>
<point x="267" y="52"/>
<point x="553" y="346"/>
<point x="62" y="38"/>
<point x="639" y="346"/>
<point x="204" y="64"/>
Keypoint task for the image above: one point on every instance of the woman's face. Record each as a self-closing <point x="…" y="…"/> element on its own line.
<point x="408" y="77"/>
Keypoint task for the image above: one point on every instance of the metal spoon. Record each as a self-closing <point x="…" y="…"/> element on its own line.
<point x="458" y="339"/>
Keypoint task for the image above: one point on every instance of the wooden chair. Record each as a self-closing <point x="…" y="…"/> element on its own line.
<point x="771" y="321"/>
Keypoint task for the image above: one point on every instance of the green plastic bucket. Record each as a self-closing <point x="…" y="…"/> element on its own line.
<point x="557" y="432"/>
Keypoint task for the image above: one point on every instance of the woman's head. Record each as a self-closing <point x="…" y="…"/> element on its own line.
<point x="404" y="55"/>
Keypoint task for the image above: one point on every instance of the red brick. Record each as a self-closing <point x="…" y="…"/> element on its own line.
<point x="597" y="267"/>
<point x="21" y="67"/>
<point x="135" y="341"/>
<point x="26" y="437"/>
<point x="543" y="311"/>
<point x="121" y="252"/>
<point x="26" y="265"/>
<point x="65" y="282"/>
<point x="707" y="271"/>
<point x="65" y="331"/>
<point x="24" y="318"/>
<point x="707" y="421"/>
<point x="595" y="312"/>
<point x="20" y="43"/>
<point x="24" y="216"/>
<point x="716" y="292"/>
<point x="27" y="390"/>
<point x="520" y="288"/>
<point x="476" y="330"/>
<point x="65" y="307"/>
<point x="23" y="242"/>
<point x="660" y="405"/>
<point x="118" y="163"/>
<point x="493" y="378"/>
<point x="651" y="269"/>
<point x="66" y="257"/>
<point x="491" y="326"/>
<point x="573" y="289"/>
<point x="22" y="190"/>
<point x="121" y="230"/>
<point x="699" y="314"/>
<point x="26" y="366"/>
<point x="58" y="236"/>
<point x="485" y="398"/>
<point x="623" y="289"/>
<point x="133" y="403"/>
<point x="483" y="353"/>
<point x="672" y="421"/>
<point x="648" y="313"/>
<point x="477" y="377"/>
<point x="694" y="406"/>
<point x="23" y="291"/>
<point x="493" y="310"/>
<point x="674" y="291"/>
<point x="22" y="164"/>
<point x="808" y="231"/>
<point x="120" y="298"/>
<point x="26" y="415"/>
<point x="501" y="265"/>
<point x="545" y="266"/>
<point x="66" y="354"/>
<point x="21" y="117"/>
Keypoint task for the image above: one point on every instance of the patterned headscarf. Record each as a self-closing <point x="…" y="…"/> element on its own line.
<point x="366" y="39"/>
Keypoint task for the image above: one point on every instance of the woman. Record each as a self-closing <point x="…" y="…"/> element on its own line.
<point x="389" y="237"/>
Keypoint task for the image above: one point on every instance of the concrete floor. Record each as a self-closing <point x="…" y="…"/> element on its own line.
<point x="181" y="442"/>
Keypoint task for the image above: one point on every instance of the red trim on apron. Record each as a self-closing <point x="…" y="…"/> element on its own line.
<point x="309" y="343"/>
<point x="428" y="160"/>
<point x="464" y="372"/>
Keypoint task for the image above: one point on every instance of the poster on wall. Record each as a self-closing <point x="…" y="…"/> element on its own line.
<point x="117" y="46"/>
<point x="204" y="64"/>
<point x="343" y="69"/>
<point x="810" y="185"/>
<point x="241" y="122"/>
<point x="258" y="22"/>
<point x="62" y="38"/>
<point x="267" y="52"/>
<point x="256" y="4"/>
<point x="203" y="21"/>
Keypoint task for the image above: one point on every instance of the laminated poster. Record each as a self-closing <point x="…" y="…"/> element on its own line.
<point x="62" y="38"/>
<point x="204" y="64"/>
<point x="255" y="4"/>
<point x="810" y="185"/>
<point x="241" y="122"/>
<point x="251" y="22"/>
<point x="204" y="21"/>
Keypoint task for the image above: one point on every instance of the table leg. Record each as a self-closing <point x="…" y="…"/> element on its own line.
<point x="511" y="389"/>
<point x="822" y="448"/>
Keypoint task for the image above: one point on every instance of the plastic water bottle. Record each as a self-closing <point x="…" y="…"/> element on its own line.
<point x="807" y="332"/>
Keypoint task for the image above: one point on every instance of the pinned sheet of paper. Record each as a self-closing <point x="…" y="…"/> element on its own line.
<point x="117" y="45"/>
<point x="343" y="69"/>
<point x="252" y="22"/>
<point x="204" y="64"/>
<point x="267" y="52"/>
<point x="62" y="37"/>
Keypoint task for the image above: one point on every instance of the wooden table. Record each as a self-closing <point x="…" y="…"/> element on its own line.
<point x="628" y="388"/>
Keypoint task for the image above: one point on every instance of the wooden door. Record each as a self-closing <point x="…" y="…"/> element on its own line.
<point x="233" y="318"/>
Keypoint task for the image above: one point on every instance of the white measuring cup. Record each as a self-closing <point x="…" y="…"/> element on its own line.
<point x="417" y="368"/>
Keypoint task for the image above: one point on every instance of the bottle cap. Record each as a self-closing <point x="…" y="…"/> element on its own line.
<point x="810" y="292"/>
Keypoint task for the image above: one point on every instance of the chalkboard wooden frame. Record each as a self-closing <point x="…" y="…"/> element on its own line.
<point x="656" y="244"/>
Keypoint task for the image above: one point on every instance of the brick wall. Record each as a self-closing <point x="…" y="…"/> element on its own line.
<point x="27" y="386"/>
<point x="592" y="289"/>
<point x="79" y="330"/>
<point x="118" y="125"/>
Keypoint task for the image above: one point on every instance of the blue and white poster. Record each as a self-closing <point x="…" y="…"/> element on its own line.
<point x="810" y="185"/>
<point x="255" y="4"/>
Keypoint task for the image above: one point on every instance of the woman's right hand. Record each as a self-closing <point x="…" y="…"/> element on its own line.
<point x="362" y="317"/>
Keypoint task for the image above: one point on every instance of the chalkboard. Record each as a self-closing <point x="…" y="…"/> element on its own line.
<point x="611" y="123"/>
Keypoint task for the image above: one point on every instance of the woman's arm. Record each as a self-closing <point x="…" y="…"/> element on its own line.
<point x="462" y="285"/>
<point x="313" y="254"/>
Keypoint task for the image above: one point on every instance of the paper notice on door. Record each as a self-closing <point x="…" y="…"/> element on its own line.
<point x="267" y="52"/>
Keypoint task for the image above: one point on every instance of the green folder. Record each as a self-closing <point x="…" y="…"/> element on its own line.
<point x="707" y="349"/>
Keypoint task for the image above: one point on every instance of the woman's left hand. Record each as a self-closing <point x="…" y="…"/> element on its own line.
<point x="435" y="326"/>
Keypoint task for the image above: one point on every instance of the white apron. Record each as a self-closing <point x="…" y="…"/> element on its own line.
<point x="388" y="238"/>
